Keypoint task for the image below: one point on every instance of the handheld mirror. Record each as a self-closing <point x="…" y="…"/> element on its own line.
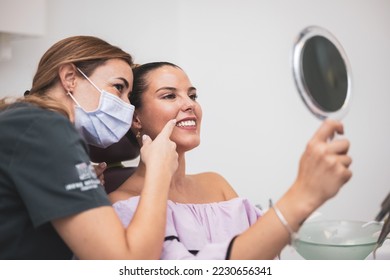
<point x="322" y="73"/>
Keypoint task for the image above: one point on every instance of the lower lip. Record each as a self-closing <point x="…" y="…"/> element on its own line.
<point x="187" y="127"/>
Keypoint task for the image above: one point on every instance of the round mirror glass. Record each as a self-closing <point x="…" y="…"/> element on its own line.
<point x="322" y="73"/>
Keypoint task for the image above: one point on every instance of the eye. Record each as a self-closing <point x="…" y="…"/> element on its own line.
<point x="169" y="96"/>
<point x="119" y="87"/>
<point x="193" y="96"/>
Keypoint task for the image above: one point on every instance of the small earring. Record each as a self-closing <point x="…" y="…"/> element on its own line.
<point x="138" y="134"/>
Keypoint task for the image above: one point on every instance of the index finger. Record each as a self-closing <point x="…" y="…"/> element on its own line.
<point x="168" y="128"/>
<point x="328" y="129"/>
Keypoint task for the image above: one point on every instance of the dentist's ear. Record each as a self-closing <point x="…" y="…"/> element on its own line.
<point x="67" y="75"/>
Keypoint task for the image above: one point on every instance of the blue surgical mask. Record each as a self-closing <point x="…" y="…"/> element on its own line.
<point x="108" y="123"/>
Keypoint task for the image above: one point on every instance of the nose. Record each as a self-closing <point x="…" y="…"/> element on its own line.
<point x="188" y="105"/>
<point x="125" y="98"/>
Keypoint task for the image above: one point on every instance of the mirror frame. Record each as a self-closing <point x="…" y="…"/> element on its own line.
<point x="299" y="47"/>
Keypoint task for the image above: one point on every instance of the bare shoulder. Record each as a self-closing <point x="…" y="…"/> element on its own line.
<point x="216" y="182"/>
<point x="130" y="188"/>
<point x="121" y="194"/>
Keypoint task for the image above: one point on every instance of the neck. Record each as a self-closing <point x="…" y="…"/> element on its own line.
<point x="179" y="178"/>
<point x="58" y="94"/>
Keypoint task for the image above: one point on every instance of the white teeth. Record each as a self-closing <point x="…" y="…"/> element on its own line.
<point x="186" y="123"/>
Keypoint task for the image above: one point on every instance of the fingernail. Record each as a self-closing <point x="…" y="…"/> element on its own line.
<point x="102" y="164"/>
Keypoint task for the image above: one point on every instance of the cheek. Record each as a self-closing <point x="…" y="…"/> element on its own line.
<point x="153" y="120"/>
<point x="87" y="97"/>
<point x="164" y="112"/>
<point x="199" y="113"/>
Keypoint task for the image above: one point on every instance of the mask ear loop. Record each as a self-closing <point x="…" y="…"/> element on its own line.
<point x="74" y="99"/>
<point x="85" y="76"/>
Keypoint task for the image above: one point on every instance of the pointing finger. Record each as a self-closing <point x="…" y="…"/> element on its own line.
<point x="168" y="128"/>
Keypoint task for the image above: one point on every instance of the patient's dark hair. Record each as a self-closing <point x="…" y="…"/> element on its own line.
<point x="140" y="83"/>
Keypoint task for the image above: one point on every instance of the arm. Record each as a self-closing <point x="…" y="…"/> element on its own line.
<point x="322" y="172"/>
<point x="99" y="234"/>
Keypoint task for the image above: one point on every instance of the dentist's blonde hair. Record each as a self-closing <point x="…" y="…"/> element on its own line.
<point x="85" y="52"/>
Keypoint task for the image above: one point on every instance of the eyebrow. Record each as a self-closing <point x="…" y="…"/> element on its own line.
<point x="124" y="81"/>
<point x="174" y="89"/>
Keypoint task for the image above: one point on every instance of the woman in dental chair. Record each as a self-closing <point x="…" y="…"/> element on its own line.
<point x="205" y="218"/>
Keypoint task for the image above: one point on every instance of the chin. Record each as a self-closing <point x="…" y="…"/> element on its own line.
<point x="187" y="146"/>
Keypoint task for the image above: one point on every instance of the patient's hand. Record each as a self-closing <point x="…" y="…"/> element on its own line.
<point x="324" y="167"/>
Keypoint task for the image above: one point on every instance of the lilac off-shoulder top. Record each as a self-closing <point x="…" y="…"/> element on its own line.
<point x="199" y="231"/>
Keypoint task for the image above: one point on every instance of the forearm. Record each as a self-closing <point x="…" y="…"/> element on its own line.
<point x="268" y="236"/>
<point x="323" y="170"/>
<point x="103" y="235"/>
<point x="146" y="231"/>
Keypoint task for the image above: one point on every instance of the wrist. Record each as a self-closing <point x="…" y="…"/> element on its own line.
<point x="296" y="208"/>
<point x="293" y="233"/>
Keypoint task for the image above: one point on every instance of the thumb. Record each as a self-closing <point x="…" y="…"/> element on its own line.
<point x="99" y="169"/>
<point x="328" y="129"/>
<point x="103" y="165"/>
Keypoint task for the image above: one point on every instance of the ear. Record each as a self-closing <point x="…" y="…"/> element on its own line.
<point x="68" y="74"/>
<point x="136" y="121"/>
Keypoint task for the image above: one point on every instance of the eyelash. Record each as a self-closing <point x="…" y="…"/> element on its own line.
<point x="119" y="87"/>
<point x="169" y="96"/>
<point x="172" y="96"/>
<point x="194" y="96"/>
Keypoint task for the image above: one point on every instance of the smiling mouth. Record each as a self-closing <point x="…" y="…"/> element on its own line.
<point x="188" y="123"/>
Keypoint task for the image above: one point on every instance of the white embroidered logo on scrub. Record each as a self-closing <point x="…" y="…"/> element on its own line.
<point x="87" y="177"/>
<point x="85" y="171"/>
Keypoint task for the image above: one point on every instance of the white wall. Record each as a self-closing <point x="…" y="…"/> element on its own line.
<point x="237" y="53"/>
<point x="23" y="17"/>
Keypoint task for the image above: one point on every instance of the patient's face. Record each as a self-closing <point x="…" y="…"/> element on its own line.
<point x="171" y="95"/>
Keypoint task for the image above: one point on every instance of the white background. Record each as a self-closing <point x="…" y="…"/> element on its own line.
<point x="238" y="54"/>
